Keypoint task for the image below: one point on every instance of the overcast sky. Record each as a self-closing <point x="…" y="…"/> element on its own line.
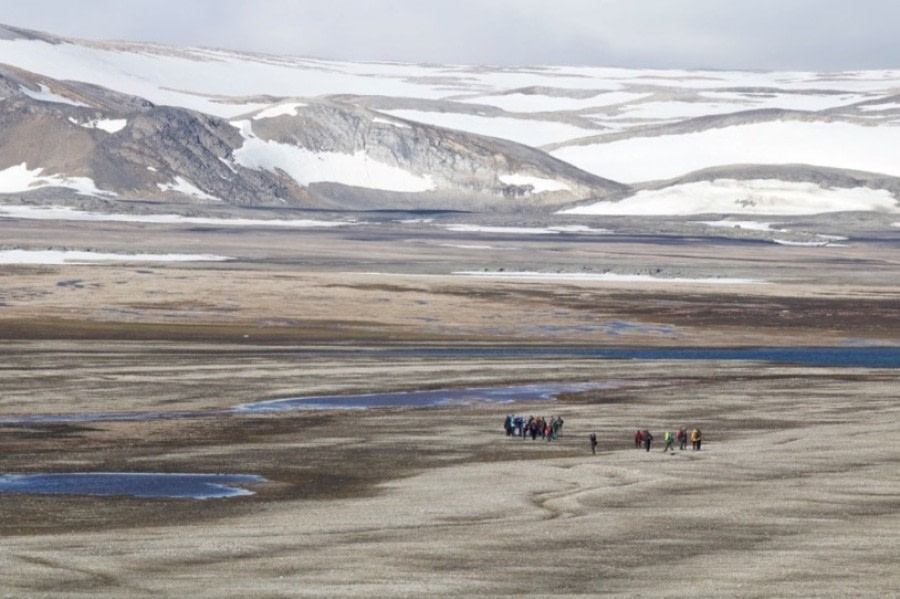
<point x="721" y="34"/>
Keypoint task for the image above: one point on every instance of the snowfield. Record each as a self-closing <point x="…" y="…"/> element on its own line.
<point x="828" y="144"/>
<point x="306" y="166"/>
<point x="728" y="196"/>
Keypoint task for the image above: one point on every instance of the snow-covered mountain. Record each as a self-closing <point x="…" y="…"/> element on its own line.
<point x="119" y="123"/>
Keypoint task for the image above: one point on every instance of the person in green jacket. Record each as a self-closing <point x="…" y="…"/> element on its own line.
<point x="669" y="438"/>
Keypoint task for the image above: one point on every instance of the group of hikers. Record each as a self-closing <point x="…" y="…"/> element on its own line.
<point x="518" y="426"/>
<point x="643" y="438"/>
<point x="549" y="430"/>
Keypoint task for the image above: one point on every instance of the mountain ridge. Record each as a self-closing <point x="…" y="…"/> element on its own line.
<point x="133" y="122"/>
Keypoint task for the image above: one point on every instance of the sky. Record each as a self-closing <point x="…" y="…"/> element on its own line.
<point x="819" y="35"/>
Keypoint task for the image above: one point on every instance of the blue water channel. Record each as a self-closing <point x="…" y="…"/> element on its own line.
<point x="850" y="356"/>
<point x="133" y="484"/>
<point x="435" y="397"/>
<point x="834" y="357"/>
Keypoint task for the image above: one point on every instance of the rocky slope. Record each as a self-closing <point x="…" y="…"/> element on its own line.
<point x="137" y="126"/>
<point x="57" y="135"/>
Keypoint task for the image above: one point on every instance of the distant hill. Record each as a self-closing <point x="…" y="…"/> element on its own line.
<point x="131" y="126"/>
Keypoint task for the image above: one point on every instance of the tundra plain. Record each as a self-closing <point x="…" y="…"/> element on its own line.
<point x="795" y="492"/>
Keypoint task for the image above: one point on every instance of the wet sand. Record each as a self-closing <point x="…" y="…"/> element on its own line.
<point x="795" y="492"/>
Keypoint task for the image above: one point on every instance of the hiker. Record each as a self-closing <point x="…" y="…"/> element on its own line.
<point x="555" y="425"/>
<point x="669" y="438"/>
<point x="593" y="439"/>
<point x="682" y="437"/>
<point x="648" y="439"/>
<point x="638" y="439"/>
<point x="696" y="439"/>
<point x="508" y="425"/>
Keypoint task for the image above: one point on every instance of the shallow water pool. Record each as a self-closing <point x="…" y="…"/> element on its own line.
<point x="133" y="484"/>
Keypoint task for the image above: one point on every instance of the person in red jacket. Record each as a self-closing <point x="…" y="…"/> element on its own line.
<point x="638" y="439"/>
<point x="682" y="437"/>
<point x="648" y="439"/>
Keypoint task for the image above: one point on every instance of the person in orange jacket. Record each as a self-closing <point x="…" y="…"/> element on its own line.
<point x="696" y="439"/>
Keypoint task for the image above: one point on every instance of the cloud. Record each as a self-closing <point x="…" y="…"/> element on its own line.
<point x="764" y="34"/>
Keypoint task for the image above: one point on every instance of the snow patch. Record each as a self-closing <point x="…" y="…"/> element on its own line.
<point x="307" y="167"/>
<point x="750" y="225"/>
<point x="817" y="244"/>
<point x="578" y="229"/>
<point x="538" y="184"/>
<point x="552" y="230"/>
<point x="279" y="110"/>
<point x="64" y="213"/>
<point x="183" y="186"/>
<point x="45" y="95"/>
<point x="81" y="257"/>
<point x="108" y="125"/>
<point x="503" y="230"/>
<point x="19" y="179"/>
<point x="729" y="196"/>
<point x="463" y="246"/>
<point x="397" y="124"/>
<point x="607" y="277"/>
<point x="880" y="107"/>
